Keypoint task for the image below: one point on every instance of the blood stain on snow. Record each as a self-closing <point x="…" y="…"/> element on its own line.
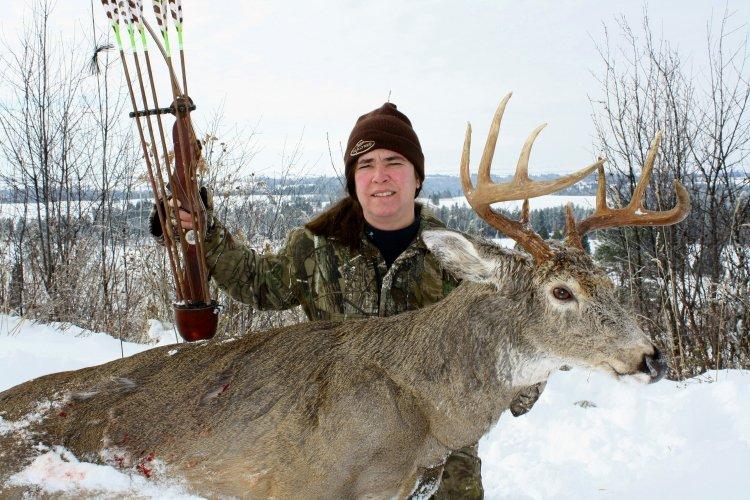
<point x="143" y="468"/>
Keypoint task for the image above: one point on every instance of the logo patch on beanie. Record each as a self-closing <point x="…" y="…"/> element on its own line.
<point x="361" y="147"/>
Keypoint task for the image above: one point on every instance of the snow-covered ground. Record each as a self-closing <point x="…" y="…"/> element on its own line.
<point x="588" y="436"/>
<point x="28" y="350"/>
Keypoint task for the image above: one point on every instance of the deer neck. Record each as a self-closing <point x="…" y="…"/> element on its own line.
<point x="464" y="365"/>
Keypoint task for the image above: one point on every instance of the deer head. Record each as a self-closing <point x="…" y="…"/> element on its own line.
<point x="575" y="315"/>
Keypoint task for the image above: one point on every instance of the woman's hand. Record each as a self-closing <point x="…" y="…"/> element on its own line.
<point x="183" y="217"/>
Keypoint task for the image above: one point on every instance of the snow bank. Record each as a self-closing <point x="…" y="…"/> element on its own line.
<point x="588" y="436"/>
<point x="58" y="471"/>
<point x="29" y="350"/>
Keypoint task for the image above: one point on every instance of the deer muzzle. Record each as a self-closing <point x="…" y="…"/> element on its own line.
<point x="654" y="365"/>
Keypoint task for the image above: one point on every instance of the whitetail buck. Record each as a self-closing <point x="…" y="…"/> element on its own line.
<point x="366" y="408"/>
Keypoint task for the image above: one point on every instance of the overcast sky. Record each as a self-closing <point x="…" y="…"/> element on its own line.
<point x="301" y="69"/>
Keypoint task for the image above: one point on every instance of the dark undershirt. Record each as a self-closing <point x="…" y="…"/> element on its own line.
<point x="392" y="243"/>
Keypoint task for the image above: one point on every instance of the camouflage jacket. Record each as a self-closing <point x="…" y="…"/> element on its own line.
<point x="328" y="280"/>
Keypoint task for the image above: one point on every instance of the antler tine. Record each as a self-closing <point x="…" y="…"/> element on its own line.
<point x="633" y="214"/>
<point x="522" y="167"/>
<point x="519" y="231"/>
<point x="640" y="188"/>
<point x="523" y="189"/>
<point x="465" y="176"/>
<point x="483" y="175"/>
<point x="573" y="236"/>
<point x="571" y="230"/>
<point x="601" y="189"/>
<point x="524" y="213"/>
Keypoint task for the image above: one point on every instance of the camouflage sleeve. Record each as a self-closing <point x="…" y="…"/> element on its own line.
<point x="268" y="281"/>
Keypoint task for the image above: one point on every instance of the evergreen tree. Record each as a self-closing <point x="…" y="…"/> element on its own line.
<point x="586" y="244"/>
<point x="541" y="225"/>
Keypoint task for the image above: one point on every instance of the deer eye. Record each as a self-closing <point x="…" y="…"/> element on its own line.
<point x="562" y="293"/>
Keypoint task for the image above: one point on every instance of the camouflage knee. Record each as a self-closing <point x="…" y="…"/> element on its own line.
<point x="462" y="476"/>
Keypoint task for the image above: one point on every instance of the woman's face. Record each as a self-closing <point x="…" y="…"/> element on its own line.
<point x="386" y="185"/>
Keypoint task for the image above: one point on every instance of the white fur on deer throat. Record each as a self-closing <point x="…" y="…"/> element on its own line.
<point x="524" y="369"/>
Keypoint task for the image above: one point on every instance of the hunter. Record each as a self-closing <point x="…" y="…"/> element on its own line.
<point x="362" y="257"/>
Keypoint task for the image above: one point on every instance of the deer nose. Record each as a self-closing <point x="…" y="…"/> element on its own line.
<point x="654" y="365"/>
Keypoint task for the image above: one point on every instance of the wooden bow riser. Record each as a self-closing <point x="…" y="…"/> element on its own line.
<point x="186" y="190"/>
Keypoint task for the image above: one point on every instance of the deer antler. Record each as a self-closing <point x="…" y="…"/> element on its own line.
<point x="520" y="188"/>
<point x="633" y="214"/>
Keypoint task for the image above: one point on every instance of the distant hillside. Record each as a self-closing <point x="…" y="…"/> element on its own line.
<point x="436" y="186"/>
<point x="447" y="186"/>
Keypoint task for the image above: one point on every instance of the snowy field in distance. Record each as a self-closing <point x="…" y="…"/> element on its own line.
<point x="546" y="201"/>
<point x="588" y="436"/>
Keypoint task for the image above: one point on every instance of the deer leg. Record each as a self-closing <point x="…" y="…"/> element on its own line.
<point x="427" y="481"/>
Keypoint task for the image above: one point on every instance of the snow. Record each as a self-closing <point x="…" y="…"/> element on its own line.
<point x="59" y="471"/>
<point x="15" y="210"/>
<point x="29" y="350"/>
<point x="588" y="436"/>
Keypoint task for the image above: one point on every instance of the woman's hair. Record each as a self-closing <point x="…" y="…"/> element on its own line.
<point x="344" y="220"/>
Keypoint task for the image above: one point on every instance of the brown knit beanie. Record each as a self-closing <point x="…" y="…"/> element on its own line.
<point x="383" y="128"/>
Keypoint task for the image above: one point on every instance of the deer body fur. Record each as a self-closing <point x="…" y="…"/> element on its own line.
<point x="358" y="409"/>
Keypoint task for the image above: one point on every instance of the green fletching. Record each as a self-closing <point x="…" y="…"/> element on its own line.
<point x="144" y="40"/>
<point x="116" y="27"/>
<point x="165" y="35"/>
<point x="179" y="34"/>
<point x="131" y="34"/>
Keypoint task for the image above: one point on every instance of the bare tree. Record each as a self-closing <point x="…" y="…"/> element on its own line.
<point x="683" y="280"/>
<point x="66" y="164"/>
<point x="40" y="126"/>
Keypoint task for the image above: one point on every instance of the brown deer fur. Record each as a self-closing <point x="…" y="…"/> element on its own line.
<point x="366" y="408"/>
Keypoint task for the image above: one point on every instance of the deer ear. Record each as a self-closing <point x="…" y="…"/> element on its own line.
<point x="459" y="255"/>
